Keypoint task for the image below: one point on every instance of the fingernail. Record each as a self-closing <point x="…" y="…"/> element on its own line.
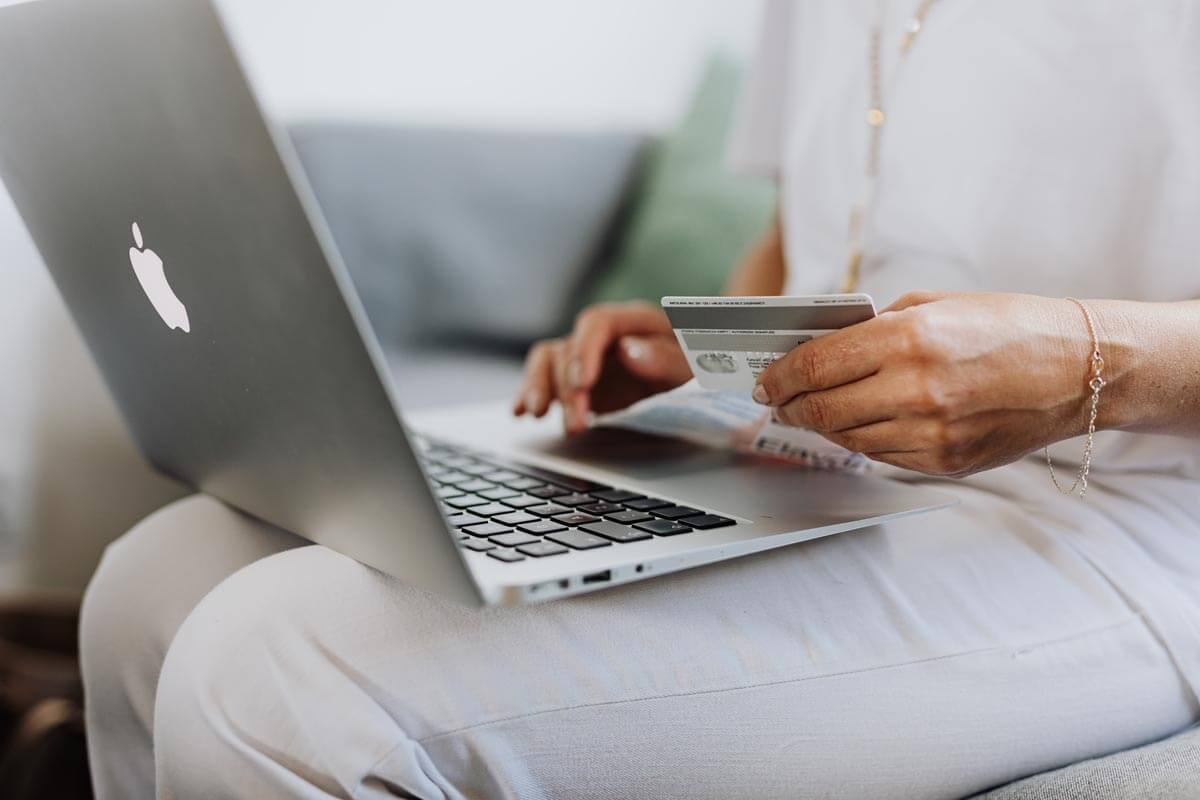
<point x="575" y="373"/>
<point x="760" y="395"/>
<point x="634" y="349"/>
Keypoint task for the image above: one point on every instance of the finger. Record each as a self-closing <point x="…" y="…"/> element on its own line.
<point x="575" y="402"/>
<point x="597" y="328"/>
<point x="873" y="399"/>
<point x="916" y="462"/>
<point x="536" y="390"/>
<point x="890" y="436"/>
<point x="572" y="400"/>
<point x="841" y="357"/>
<point x="910" y="299"/>
<point x="655" y="359"/>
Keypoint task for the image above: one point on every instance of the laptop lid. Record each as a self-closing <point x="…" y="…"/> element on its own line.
<point x="195" y="265"/>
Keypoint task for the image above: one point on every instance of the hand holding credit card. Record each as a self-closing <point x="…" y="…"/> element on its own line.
<point x="729" y="341"/>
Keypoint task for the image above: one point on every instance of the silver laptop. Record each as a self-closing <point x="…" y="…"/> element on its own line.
<point x="194" y="260"/>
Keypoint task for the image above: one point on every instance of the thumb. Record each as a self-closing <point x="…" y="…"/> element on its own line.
<point x="911" y="299"/>
<point x="656" y="359"/>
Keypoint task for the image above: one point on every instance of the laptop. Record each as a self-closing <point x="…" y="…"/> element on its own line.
<point x="194" y="259"/>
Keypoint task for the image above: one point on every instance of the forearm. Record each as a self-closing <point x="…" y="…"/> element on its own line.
<point x="763" y="270"/>
<point x="1151" y="357"/>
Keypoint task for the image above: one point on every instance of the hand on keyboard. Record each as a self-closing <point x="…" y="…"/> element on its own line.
<point x="617" y="354"/>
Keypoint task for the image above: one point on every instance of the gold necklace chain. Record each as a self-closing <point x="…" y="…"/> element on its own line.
<point x="876" y="119"/>
<point x="1096" y="383"/>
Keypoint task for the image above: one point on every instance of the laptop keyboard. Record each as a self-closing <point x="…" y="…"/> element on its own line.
<point x="515" y="512"/>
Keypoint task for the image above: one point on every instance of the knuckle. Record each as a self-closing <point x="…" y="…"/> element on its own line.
<point x="850" y="441"/>
<point x="784" y="415"/>
<point x="816" y="412"/>
<point x="538" y="353"/>
<point x="929" y="396"/>
<point x="944" y="436"/>
<point x="808" y="366"/>
<point x="589" y="317"/>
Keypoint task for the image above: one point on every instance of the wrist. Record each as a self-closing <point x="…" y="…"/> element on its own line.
<point x="1127" y="348"/>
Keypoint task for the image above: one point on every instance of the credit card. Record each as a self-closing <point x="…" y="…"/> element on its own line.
<point x="729" y="341"/>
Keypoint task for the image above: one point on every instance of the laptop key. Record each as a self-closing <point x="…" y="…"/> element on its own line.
<point x="465" y="501"/>
<point x="600" y="509"/>
<point x="491" y="510"/>
<point x="572" y="500"/>
<point x="506" y="555"/>
<point x="646" y="503"/>
<point x="500" y="475"/>
<point x="499" y="493"/>
<point x="522" y="501"/>
<point x="706" y="522"/>
<point x="618" y="533"/>
<point x="515" y="518"/>
<point x="546" y="492"/>
<point x="452" y="478"/>
<point x="463" y="520"/>
<point x="617" y="496"/>
<point x="629" y="517"/>
<point x="575" y="518"/>
<point x="666" y="512"/>
<point x="455" y="461"/>
<point x="514" y="539"/>
<point x="579" y="540"/>
<point x="548" y="510"/>
<point x="479" y="545"/>
<point x="477" y="468"/>
<point x="487" y="529"/>
<point x="445" y="492"/>
<point x="542" y="549"/>
<point x="523" y="484"/>
<point x="542" y="526"/>
<point x="475" y="485"/>
<point x="662" y="527"/>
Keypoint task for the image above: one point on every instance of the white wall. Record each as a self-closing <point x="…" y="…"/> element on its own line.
<point x="523" y="63"/>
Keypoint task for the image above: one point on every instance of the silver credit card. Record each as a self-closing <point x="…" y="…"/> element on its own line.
<point x="729" y="341"/>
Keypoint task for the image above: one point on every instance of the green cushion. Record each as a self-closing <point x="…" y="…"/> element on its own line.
<point x="694" y="219"/>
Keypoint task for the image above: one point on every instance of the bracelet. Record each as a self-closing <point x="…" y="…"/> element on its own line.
<point x="1095" y="384"/>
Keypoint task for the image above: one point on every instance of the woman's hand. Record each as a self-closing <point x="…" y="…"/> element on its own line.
<point x="617" y="354"/>
<point x="942" y="384"/>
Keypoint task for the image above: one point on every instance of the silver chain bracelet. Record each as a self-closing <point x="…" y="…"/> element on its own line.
<point x="1095" y="384"/>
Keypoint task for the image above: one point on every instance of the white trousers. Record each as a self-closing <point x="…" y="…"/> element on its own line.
<point x="933" y="657"/>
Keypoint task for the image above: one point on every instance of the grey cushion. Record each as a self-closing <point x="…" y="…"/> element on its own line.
<point x="467" y="233"/>
<point x="1166" y="770"/>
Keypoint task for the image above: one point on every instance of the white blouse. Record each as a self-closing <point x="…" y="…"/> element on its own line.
<point x="1050" y="148"/>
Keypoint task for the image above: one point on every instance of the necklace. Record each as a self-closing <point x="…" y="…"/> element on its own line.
<point x="876" y="118"/>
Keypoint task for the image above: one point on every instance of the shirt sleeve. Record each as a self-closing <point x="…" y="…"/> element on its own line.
<point x="757" y="140"/>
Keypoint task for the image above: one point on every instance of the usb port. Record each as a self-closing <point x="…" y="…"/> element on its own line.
<point x="598" y="577"/>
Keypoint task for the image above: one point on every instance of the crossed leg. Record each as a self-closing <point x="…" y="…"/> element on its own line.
<point x="932" y="657"/>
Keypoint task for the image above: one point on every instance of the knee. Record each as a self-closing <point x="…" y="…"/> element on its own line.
<point x="125" y="627"/>
<point x="147" y="583"/>
<point x="253" y="701"/>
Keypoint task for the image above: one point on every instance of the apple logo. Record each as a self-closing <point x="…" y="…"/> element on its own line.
<point x="149" y="270"/>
